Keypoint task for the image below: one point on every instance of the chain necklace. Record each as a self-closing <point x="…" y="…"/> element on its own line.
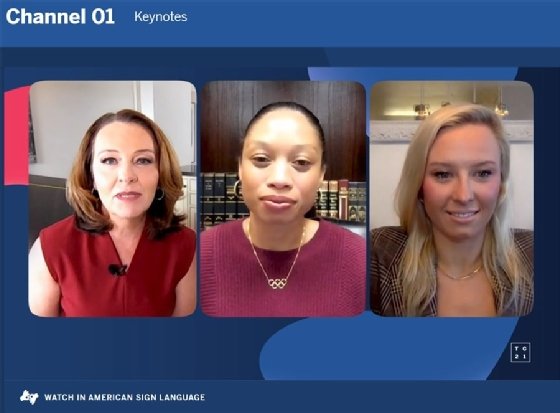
<point x="461" y="277"/>
<point x="275" y="283"/>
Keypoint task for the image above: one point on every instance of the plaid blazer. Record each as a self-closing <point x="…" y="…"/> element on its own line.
<point x="387" y="247"/>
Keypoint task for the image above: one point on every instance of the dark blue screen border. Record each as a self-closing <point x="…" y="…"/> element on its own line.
<point x="221" y="358"/>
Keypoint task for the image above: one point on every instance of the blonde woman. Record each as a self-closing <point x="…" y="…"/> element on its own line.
<point x="454" y="253"/>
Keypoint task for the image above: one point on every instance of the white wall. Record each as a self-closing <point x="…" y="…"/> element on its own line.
<point x="63" y="110"/>
<point x="172" y="112"/>
<point x="386" y="160"/>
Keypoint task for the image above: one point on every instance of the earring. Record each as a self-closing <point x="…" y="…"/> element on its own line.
<point x="236" y="187"/>
<point x="161" y="195"/>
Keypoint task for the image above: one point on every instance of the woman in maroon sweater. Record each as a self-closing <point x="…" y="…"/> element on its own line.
<point x="277" y="262"/>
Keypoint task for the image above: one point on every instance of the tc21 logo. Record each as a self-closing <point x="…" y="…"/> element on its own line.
<point x="520" y="352"/>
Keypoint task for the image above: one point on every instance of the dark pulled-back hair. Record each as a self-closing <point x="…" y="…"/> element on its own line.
<point x="289" y="105"/>
<point x="88" y="208"/>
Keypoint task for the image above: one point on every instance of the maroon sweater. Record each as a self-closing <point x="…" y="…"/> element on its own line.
<point x="328" y="279"/>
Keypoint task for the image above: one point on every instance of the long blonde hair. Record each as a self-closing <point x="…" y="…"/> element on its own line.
<point x="500" y="258"/>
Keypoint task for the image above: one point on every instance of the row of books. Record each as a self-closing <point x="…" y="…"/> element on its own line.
<point x="342" y="200"/>
<point x="221" y="201"/>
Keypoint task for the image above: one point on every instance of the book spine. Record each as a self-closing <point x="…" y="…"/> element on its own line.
<point x="362" y="202"/>
<point x="231" y="197"/>
<point x="333" y="199"/>
<point x="317" y="205"/>
<point x="352" y="201"/>
<point x="343" y="199"/>
<point x="207" y="199"/>
<point x="242" y="210"/>
<point x="323" y="207"/>
<point x="219" y="198"/>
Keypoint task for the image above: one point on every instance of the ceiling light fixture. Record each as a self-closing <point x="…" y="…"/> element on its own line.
<point x="501" y="108"/>
<point x="447" y="100"/>
<point x="422" y="109"/>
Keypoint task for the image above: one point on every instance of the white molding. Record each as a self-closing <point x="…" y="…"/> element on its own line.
<point x="390" y="131"/>
<point x="519" y="130"/>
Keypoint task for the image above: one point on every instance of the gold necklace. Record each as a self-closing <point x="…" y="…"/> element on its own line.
<point x="275" y="283"/>
<point x="459" y="278"/>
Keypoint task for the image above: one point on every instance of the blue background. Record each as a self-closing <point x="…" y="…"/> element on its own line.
<point x="229" y="358"/>
<point x="412" y="23"/>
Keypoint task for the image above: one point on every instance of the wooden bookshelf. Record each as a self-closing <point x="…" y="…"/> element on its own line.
<point x="227" y="107"/>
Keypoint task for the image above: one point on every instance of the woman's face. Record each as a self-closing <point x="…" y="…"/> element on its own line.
<point x="462" y="182"/>
<point x="280" y="166"/>
<point x="125" y="170"/>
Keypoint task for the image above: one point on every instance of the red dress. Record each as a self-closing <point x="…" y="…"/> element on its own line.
<point x="85" y="265"/>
